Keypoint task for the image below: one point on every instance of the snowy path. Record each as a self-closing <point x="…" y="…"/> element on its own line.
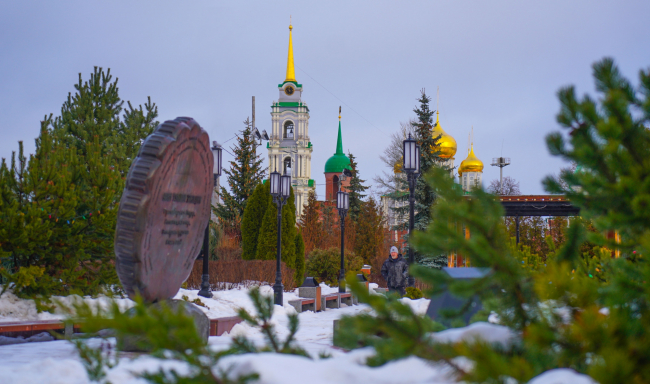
<point x="57" y="362"/>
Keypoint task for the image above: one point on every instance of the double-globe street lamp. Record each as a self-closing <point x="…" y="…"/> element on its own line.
<point x="280" y="191"/>
<point x="412" y="168"/>
<point x="205" y="278"/>
<point x="342" y="204"/>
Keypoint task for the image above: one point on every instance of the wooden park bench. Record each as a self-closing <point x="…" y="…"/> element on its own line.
<point x="304" y="304"/>
<point x="221" y="325"/>
<point x="30" y="328"/>
<point x="218" y="327"/>
<point x="334" y="300"/>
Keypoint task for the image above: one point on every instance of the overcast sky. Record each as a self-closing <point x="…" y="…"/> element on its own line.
<point x="498" y="65"/>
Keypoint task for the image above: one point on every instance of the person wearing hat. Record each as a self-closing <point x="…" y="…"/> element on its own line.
<point x="395" y="272"/>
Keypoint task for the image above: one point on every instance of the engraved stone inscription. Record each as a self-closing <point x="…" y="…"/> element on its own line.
<point x="164" y="210"/>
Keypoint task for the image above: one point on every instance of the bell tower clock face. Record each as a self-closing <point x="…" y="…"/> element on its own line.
<point x="289" y="90"/>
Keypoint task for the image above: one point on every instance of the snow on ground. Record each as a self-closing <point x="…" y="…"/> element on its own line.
<point x="58" y="362"/>
<point x="483" y="331"/>
<point x="222" y="304"/>
<point x="562" y="376"/>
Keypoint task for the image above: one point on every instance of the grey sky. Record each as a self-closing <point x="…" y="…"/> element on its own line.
<point x="498" y="65"/>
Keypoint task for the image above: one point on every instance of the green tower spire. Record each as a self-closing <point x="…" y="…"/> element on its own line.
<point x="339" y="143"/>
<point x="339" y="161"/>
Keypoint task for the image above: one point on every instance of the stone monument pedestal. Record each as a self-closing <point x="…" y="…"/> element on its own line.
<point x="201" y="322"/>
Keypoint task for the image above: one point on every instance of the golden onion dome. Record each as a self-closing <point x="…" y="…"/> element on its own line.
<point x="471" y="163"/>
<point x="447" y="143"/>
<point x="397" y="168"/>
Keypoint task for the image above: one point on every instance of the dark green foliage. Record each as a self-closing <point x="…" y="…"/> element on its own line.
<point x="300" y="259"/>
<point x="325" y="264"/>
<point x="244" y="175"/>
<point x="264" y="307"/>
<point x="289" y="231"/>
<point x="356" y="189"/>
<point x="267" y="240"/>
<point x="413" y="293"/>
<point x="252" y="220"/>
<point x="558" y="310"/>
<point x="58" y="208"/>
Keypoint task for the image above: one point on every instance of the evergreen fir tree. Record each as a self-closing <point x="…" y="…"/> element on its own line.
<point x="59" y="209"/>
<point x="267" y="240"/>
<point x="244" y="175"/>
<point x="425" y="196"/>
<point x="58" y="219"/>
<point x="94" y="112"/>
<point x="289" y="231"/>
<point x="356" y="189"/>
<point x="310" y="225"/>
<point x="300" y="259"/>
<point x="252" y="220"/>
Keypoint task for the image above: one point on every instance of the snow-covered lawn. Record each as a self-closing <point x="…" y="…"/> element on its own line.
<point x="57" y="361"/>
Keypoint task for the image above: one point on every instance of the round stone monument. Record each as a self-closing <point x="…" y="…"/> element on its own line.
<point x="164" y="210"/>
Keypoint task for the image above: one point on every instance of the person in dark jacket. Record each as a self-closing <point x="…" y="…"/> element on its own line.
<point x="395" y="272"/>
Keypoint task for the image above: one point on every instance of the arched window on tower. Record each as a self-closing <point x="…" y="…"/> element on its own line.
<point x="288" y="130"/>
<point x="286" y="166"/>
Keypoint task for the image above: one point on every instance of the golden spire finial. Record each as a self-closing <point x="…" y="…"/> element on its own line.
<point x="339" y="113"/>
<point x="291" y="72"/>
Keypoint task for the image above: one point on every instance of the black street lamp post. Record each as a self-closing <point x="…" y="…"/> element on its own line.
<point x="412" y="168"/>
<point x="205" y="278"/>
<point x="280" y="191"/>
<point x="342" y="204"/>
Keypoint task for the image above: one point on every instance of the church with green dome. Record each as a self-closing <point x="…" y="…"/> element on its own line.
<point x="334" y="166"/>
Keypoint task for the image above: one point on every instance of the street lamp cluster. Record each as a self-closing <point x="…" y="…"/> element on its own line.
<point x="280" y="191"/>
<point x="205" y="278"/>
<point x="411" y="166"/>
<point x="342" y="204"/>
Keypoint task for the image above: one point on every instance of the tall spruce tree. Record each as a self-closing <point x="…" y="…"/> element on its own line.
<point x="59" y="208"/>
<point x="356" y="189"/>
<point x="425" y="195"/>
<point x="252" y="220"/>
<point x="94" y="112"/>
<point x="244" y="175"/>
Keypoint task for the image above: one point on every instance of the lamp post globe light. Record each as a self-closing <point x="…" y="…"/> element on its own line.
<point x="205" y="277"/>
<point x="412" y="168"/>
<point x="342" y="204"/>
<point x="280" y="191"/>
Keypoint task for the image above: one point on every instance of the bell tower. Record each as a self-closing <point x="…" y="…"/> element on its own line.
<point x="289" y="146"/>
